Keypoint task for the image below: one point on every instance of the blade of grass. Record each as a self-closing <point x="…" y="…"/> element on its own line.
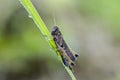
<point x="42" y="27"/>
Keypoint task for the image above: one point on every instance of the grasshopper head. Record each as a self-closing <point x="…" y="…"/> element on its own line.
<point x="55" y="30"/>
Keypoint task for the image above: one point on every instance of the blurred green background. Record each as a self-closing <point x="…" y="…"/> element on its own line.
<point x="90" y="27"/>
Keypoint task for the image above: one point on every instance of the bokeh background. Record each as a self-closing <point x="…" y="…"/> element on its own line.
<point x="90" y="27"/>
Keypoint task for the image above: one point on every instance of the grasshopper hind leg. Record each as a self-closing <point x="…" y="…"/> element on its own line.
<point x="76" y="55"/>
<point x="65" y="58"/>
<point x="66" y="63"/>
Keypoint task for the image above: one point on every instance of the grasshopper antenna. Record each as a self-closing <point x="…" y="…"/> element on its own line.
<point x="54" y="19"/>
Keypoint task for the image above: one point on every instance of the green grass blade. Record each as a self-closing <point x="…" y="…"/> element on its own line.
<point x="42" y="27"/>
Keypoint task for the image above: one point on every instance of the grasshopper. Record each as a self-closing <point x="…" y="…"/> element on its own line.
<point x="68" y="56"/>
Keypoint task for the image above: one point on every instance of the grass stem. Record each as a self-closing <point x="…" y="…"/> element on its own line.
<point x="42" y="27"/>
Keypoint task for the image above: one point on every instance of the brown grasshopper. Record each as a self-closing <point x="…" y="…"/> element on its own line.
<point x="68" y="56"/>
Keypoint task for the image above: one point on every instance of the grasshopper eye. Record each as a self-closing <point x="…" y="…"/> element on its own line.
<point x="55" y="30"/>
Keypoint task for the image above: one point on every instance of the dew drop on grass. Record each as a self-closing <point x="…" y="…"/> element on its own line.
<point x="29" y="16"/>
